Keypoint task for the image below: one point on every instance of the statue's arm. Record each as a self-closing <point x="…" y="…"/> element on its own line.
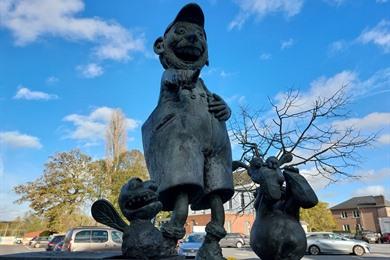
<point x="217" y="106"/>
<point x="299" y="189"/>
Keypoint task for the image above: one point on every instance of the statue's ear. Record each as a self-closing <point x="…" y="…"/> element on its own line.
<point x="159" y="46"/>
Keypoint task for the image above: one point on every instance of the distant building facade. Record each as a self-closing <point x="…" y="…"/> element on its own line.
<point x="239" y="213"/>
<point x="361" y="213"/>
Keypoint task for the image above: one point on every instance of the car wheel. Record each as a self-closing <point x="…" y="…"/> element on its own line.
<point x="238" y="244"/>
<point x="358" y="250"/>
<point x="314" y="250"/>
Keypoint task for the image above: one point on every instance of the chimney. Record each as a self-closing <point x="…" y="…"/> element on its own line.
<point x="379" y="200"/>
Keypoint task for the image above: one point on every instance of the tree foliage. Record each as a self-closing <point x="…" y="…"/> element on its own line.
<point x="62" y="189"/>
<point x="319" y="218"/>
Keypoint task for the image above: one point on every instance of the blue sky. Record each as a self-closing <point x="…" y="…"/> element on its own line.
<point x="64" y="65"/>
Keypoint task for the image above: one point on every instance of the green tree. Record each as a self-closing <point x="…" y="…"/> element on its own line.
<point x="319" y="218"/>
<point x="61" y="191"/>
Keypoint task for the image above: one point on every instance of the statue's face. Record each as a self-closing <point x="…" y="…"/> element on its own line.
<point x="184" y="46"/>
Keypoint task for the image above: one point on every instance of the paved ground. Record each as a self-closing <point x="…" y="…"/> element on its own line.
<point x="379" y="252"/>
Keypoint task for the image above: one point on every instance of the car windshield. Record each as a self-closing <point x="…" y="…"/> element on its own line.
<point x="195" y="239"/>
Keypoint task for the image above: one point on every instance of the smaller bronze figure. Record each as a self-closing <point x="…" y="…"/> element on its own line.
<point x="277" y="233"/>
<point x="138" y="203"/>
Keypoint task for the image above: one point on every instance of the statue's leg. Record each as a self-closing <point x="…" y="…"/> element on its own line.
<point x="210" y="249"/>
<point x="174" y="229"/>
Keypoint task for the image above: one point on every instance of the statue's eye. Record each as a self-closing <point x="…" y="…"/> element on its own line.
<point x="180" y="30"/>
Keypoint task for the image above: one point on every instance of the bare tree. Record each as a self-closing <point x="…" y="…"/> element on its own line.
<point x="308" y="131"/>
<point x="116" y="138"/>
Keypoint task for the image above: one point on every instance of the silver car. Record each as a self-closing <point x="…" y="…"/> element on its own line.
<point x="327" y="242"/>
<point x="92" y="239"/>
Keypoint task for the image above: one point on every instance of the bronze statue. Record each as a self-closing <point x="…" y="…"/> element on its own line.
<point x="277" y="233"/>
<point x="186" y="144"/>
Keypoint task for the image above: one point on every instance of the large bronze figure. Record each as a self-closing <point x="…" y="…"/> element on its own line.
<point x="186" y="144"/>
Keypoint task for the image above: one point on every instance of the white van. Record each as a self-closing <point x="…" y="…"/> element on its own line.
<point x="92" y="239"/>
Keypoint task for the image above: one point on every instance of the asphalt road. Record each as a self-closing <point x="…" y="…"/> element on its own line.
<point x="378" y="252"/>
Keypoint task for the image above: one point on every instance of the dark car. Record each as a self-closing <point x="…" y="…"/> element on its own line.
<point x="234" y="240"/>
<point x="58" y="247"/>
<point x="53" y="241"/>
<point x="385" y="238"/>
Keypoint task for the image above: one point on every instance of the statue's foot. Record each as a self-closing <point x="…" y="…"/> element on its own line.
<point x="171" y="234"/>
<point x="210" y="249"/>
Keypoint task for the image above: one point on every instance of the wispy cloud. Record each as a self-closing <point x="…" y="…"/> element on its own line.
<point x="378" y="35"/>
<point x="286" y="44"/>
<point x="372" y="121"/>
<point x="373" y="190"/>
<point x="27" y="94"/>
<point x="325" y="87"/>
<point x="337" y="47"/>
<point x="30" y="20"/>
<point x="14" y="139"/>
<point x="52" y="80"/>
<point x="335" y="2"/>
<point x="261" y="8"/>
<point x="384" y="139"/>
<point x="92" y="127"/>
<point x="91" y="70"/>
<point x="265" y="56"/>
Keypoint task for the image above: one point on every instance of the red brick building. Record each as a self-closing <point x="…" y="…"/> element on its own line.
<point x="361" y="213"/>
<point x="234" y="222"/>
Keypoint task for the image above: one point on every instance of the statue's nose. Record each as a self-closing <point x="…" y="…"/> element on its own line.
<point x="192" y="38"/>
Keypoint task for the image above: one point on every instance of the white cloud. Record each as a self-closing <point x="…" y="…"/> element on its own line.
<point x="337" y="47"/>
<point x="324" y="87"/>
<point x="372" y="121"/>
<point x="384" y="139"/>
<point x="370" y="191"/>
<point x="261" y="8"/>
<point x="90" y="70"/>
<point x="265" y="56"/>
<point x="286" y="44"/>
<point x="92" y="127"/>
<point x="379" y="35"/>
<point x="25" y="93"/>
<point x="14" y="139"/>
<point x="316" y="181"/>
<point x="30" y="20"/>
<point x="381" y="1"/>
<point x="52" y="80"/>
<point x="335" y="2"/>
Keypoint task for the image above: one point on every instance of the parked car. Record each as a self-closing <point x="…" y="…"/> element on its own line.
<point x="327" y="242"/>
<point x="32" y="241"/>
<point x="385" y="238"/>
<point x="53" y="241"/>
<point x="40" y="242"/>
<point x="58" y="247"/>
<point x="189" y="247"/>
<point x="234" y="240"/>
<point x="368" y="236"/>
<point x="92" y="239"/>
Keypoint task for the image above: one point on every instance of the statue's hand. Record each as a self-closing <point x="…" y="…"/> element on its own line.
<point x="219" y="108"/>
<point x="175" y="79"/>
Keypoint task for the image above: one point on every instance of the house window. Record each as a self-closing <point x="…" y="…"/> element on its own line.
<point x="344" y="214"/>
<point x="228" y="226"/>
<point x="242" y="201"/>
<point x="356" y="214"/>
<point x="346" y="227"/>
<point x="359" y="227"/>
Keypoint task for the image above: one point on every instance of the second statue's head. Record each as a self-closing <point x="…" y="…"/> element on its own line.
<point x="184" y="44"/>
